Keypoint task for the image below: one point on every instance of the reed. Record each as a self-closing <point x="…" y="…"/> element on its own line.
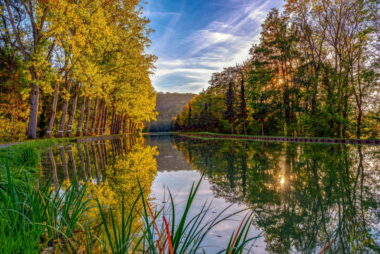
<point x="45" y="219"/>
<point x="33" y="219"/>
<point x="163" y="231"/>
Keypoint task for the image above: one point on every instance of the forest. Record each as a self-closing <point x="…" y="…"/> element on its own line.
<point x="74" y="68"/>
<point x="313" y="72"/>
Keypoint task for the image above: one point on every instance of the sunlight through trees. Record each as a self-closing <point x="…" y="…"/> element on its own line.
<point x="314" y="72"/>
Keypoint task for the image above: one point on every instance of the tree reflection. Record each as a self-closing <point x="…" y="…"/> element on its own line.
<point x="111" y="169"/>
<point x="306" y="197"/>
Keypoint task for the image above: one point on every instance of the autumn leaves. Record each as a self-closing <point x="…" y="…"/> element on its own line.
<point x="84" y="65"/>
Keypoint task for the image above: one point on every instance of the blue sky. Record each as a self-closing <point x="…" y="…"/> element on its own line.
<point x="195" y="38"/>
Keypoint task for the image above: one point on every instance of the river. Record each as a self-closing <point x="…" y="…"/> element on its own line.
<point x="304" y="197"/>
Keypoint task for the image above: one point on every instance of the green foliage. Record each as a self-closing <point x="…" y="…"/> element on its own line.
<point x="229" y="114"/>
<point x="13" y="87"/>
<point x="302" y="79"/>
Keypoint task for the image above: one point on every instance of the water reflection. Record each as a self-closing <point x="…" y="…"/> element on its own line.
<point x="110" y="169"/>
<point x="305" y="197"/>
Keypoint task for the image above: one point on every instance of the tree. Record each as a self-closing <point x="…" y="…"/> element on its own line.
<point x="27" y="31"/>
<point x="229" y="114"/>
<point x="314" y="72"/>
<point x="87" y="55"/>
<point x="243" y="105"/>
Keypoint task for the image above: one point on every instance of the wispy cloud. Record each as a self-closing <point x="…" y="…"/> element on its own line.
<point x="223" y="42"/>
<point x="205" y="39"/>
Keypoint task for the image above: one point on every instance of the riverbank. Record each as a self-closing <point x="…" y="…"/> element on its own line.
<point x="210" y="135"/>
<point x="51" y="141"/>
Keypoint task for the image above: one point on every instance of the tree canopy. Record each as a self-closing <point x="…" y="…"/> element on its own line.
<point x="75" y="67"/>
<point x="314" y="72"/>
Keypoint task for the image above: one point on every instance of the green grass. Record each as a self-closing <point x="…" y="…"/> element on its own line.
<point x="23" y="159"/>
<point x="33" y="218"/>
<point x="27" y="154"/>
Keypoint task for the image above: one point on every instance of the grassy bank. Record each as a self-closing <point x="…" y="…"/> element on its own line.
<point x="45" y="218"/>
<point x="27" y="154"/>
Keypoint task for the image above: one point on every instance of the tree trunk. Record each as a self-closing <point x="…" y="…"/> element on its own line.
<point x="121" y="124"/>
<point x="33" y="115"/>
<point x="64" y="111"/>
<point x="100" y="118"/>
<point x="81" y="117"/>
<point x="243" y="105"/>
<point x="130" y="126"/>
<point x="53" y="111"/>
<point x="134" y="128"/>
<point x="104" y="123"/>
<point x="73" y="111"/>
<point x="112" y="126"/>
<point x="94" y="115"/>
<point x="359" y="123"/>
<point x="121" y="127"/>
<point x="124" y="124"/>
<point x="116" y="129"/>
<point x="88" y="113"/>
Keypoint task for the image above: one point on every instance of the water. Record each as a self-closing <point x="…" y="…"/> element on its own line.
<point x="304" y="196"/>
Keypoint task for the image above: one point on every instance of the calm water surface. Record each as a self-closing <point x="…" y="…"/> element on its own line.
<point x="304" y="196"/>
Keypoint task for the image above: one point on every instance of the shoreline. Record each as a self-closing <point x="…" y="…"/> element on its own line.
<point x="80" y="139"/>
<point x="282" y="139"/>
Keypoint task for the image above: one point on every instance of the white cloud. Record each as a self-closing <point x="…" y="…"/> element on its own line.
<point x="204" y="39"/>
<point x="225" y="42"/>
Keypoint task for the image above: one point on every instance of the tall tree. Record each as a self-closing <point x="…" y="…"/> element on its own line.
<point x="229" y="114"/>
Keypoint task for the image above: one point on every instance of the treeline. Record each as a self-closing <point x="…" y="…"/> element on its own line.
<point x="315" y="72"/>
<point x="74" y="68"/>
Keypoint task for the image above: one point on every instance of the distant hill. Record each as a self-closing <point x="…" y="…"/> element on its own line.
<point x="168" y="106"/>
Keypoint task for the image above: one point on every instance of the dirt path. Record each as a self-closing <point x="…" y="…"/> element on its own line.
<point x="9" y="144"/>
